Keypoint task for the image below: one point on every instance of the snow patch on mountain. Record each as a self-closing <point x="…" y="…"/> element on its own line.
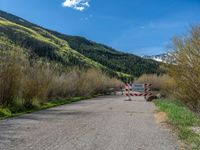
<point x="165" y="58"/>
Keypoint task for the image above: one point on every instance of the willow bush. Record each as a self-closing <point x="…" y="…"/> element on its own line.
<point x="186" y="71"/>
<point x="163" y="83"/>
<point x="11" y="74"/>
<point x="28" y="82"/>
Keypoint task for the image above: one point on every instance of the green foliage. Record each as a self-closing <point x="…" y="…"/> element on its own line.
<point x="18" y="109"/>
<point x="54" y="103"/>
<point x="17" y="106"/>
<point x="183" y="119"/>
<point x="4" y="112"/>
<point x="178" y="113"/>
<point x="115" y="60"/>
<point x="71" y="50"/>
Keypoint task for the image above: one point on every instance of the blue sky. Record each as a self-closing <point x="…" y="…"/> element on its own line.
<point x="135" y="26"/>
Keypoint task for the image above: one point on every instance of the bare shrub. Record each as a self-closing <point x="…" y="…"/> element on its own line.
<point x="63" y="85"/>
<point x="168" y="86"/>
<point x="153" y="79"/>
<point x="101" y="82"/>
<point x="11" y="72"/>
<point x="27" y="82"/>
<point x="163" y="83"/>
<point x="81" y="83"/>
<point x="186" y="72"/>
<point x="88" y="82"/>
<point x="36" y="81"/>
<point x="95" y="81"/>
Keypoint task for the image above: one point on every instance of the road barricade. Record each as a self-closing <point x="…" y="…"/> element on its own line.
<point x="131" y="90"/>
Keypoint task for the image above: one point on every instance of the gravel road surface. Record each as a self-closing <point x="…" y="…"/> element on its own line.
<point x="103" y="123"/>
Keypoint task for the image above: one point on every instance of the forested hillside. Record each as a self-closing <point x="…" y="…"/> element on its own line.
<point x="111" y="58"/>
<point x="71" y="50"/>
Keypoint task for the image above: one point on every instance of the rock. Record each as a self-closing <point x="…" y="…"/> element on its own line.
<point x="151" y="98"/>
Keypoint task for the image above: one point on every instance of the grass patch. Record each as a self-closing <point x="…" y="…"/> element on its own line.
<point x="182" y="119"/>
<point x="4" y="112"/>
<point x="12" y="112"/>
<point x="54" y="103"/>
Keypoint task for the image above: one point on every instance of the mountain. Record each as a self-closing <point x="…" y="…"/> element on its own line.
<point x="164" y="58"/>
<point x="71" y="50"/>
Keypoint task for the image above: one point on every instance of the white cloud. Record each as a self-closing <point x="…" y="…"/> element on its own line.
<point x="77" y="4"/>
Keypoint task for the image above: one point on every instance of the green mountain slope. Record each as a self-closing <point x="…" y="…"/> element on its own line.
<point x="43" y="43"/>
<point x="70" y="50"/>
<point x="119" y="61"/>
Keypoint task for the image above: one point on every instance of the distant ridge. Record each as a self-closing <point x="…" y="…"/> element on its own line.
<point x="71" y="50"/>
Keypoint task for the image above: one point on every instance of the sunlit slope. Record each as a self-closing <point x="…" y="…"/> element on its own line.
<point x="43" y="43"/>
<point x="71" y="50"/>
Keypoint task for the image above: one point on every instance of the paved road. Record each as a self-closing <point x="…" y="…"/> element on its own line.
<point x="104" y="123"/>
